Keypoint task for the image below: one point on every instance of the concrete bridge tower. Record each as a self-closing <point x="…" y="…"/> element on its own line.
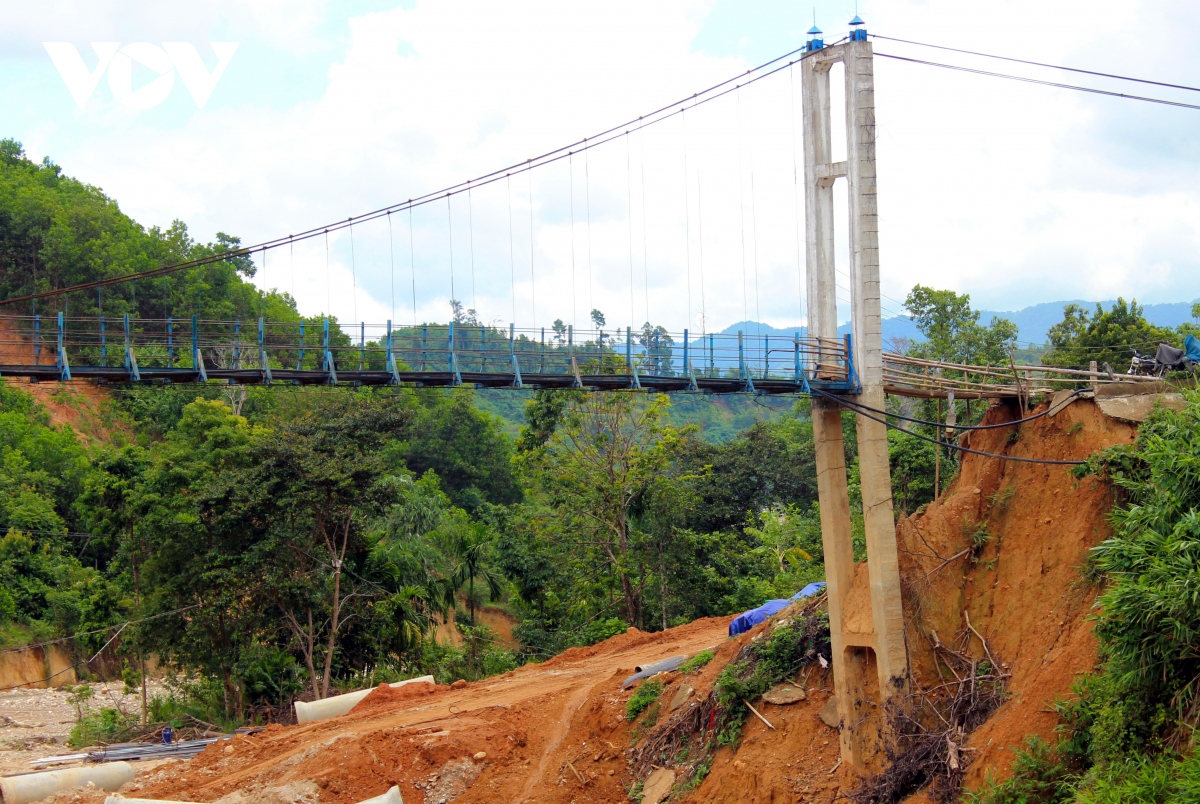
<point x="870" y="661"/>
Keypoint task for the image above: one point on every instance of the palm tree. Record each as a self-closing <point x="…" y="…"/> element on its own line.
<point x="470" y="553"/>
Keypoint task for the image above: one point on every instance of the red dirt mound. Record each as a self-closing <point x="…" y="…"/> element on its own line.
<point x="1006" y="546"/>
<point x="386" y="697"/>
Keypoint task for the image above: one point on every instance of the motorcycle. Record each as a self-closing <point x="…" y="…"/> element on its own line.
<point x="1145" y="365"/>
<point x="1167" y="359"/>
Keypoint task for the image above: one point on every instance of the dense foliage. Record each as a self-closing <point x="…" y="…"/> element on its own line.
<point x="1106" y="336"/>
<point x="57" y="231"/>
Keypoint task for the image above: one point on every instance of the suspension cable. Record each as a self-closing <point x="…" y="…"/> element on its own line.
<point x="512" y="260"/>
<point x="392" y="260"/>
<point x="1038" y="63"/>
<point x="412" y="264"/>
<point x="1055" y="84"/>
<point x="661" y="114"/>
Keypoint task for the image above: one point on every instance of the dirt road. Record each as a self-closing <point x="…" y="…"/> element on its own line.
<point x="430" y="742"/>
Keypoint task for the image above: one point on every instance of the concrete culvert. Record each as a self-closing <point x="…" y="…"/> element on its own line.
<point x="31" y="787"/>
<point x="308" y="711"/>
<point x="390" y="797"/>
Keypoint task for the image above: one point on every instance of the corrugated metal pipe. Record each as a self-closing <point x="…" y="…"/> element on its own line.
<point x="654" y="668"/>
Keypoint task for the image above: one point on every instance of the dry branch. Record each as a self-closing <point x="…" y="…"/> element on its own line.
<point x="931" y="727"/>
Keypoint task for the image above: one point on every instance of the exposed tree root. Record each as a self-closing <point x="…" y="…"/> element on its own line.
<point x="931" y="726"/>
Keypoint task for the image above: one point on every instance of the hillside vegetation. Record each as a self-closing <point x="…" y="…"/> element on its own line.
<point x="279" y="542"/>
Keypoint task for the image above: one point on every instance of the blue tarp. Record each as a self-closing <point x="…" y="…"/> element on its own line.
<point x="748" y="619"/>
<point x="1192" y="347"/>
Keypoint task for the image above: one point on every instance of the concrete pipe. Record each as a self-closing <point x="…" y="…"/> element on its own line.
<point x="307" y="712"/>
<point x="390" y="797"/>
<point x="32" y="787"/>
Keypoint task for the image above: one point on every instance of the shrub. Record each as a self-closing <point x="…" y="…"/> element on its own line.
<point x="1038" y="775"/>
<point x="763" y="664"/>
<point x="696" y="662"/>
<point x="98" y="727"/>
<point x="642" y="698"/>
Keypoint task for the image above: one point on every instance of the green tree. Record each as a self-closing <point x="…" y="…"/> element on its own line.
<point x="1106" y="336"/>
<point x="193" y="560"/>
<point x="602" y="458"/>
<point x="465" y="447"/>
<point x="765" y="465"/>
<point x="470" y="545"/>
<point x="783" y="532"/>
<point x="952" y="330"/>
<point x="311" y="492"/>
<point x="912" y="465"/>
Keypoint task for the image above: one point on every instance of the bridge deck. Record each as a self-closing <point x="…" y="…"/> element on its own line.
<point x="189" y="351"/>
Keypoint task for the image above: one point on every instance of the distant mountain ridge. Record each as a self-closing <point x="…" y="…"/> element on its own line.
<point x="1033" y="323"/>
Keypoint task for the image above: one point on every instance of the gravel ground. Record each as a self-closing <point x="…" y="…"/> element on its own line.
<point x="35" y="723"/>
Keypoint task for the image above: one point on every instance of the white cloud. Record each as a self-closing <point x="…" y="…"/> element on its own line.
<point x="1016" y="193"/>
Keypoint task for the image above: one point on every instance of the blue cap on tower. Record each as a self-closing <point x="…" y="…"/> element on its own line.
<point x="858" y="30"/>
<point x="816" y="39"/>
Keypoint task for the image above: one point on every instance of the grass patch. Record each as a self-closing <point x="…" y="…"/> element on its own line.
<point x="645" y="695"/>
<point x="696" y="662"/>
<point x="765" y="663"/>
<point x="1002" y="499"/>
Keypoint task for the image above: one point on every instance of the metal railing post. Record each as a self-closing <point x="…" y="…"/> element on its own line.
<point x="633" y="375"/>
<point x="237" y="343"/>
<point x="330" y="367"/>
<point x="103" y="344"/>
<point x="362" y="345"/>
<point x="131" y="365"/>
<point x="197" y="359"/>
<point x="576" y="382"/>
<point x="796" y="359"/>
<point x="64" y="368"/>
<point x="512" y="354"/>
<point x="742" y="364"/>
<point x="170" y="342"/>
<point x="688" y="368"/>
<point x="300" y="356"/>
<point x="391" y="357"/>
<point x="263" y="365"/>
<point x="454" y="358"/>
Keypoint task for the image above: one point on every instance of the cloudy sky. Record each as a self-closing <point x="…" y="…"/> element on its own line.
<point x="1012" y="192"/>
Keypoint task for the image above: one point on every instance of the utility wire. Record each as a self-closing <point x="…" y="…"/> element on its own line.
<point x="97" y="630"/>
<point x="1039" y="64"/>
<point x="1091" y="90"/>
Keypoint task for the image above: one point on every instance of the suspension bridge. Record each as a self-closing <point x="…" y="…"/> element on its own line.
<point x="841" y="371"/>
<point x="190" y="351"/>
<point x="124" y="348"/>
